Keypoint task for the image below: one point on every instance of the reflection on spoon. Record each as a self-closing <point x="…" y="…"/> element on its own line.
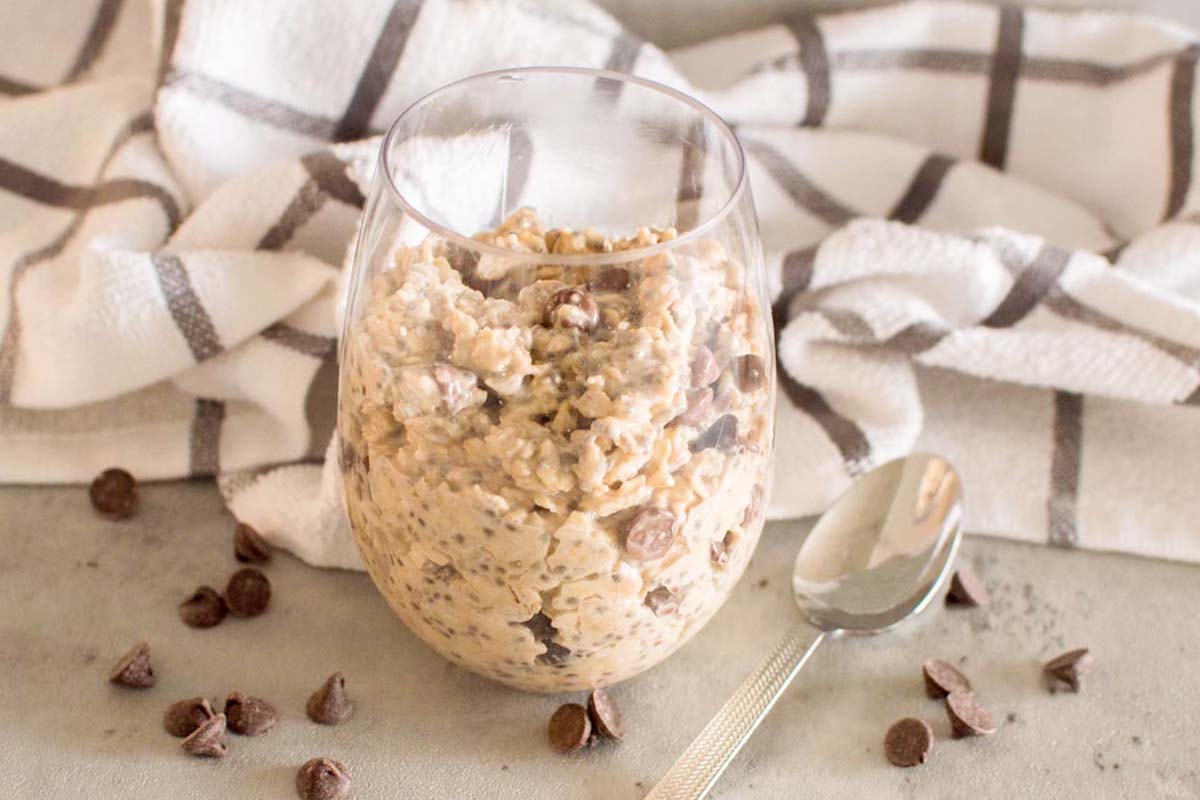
<point x="875" y="558"/>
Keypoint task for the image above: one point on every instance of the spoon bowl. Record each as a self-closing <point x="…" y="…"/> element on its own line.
<point x="876" y="558"/>
<point x="880" y="553"/>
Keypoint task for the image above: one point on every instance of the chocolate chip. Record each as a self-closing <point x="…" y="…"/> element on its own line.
<point x="248" y="546"/>
<point x="615" y="279"/>
<point x="248" y="593"/>
<point x="908" y="742"/>
<point x="605" y="715"/>
<point x="967" y="716"/>
<point x="649" y="534"/>
<point x="208" y="740"/>
<point x="330" y="705"/>
<point x="555" y="653"/>
<point x="704" y="368"/>
<point x="203" y="609"/>
<point x="722" y="434"/>
<point x="942" y="679"/>
<point x="751" y="373"/>
<point x="755" y="506"/>
<point x="569" y="728"/>
<point x="182" y="718"/>
<point x="967" y="589"/>
<point x="456" y="385"/>
<point x="699" y="404"/>
<point x="249" y="716"/>
<point x="114" y="493"/>
<point x="662" y="601"/>
<point x="323" y="779"/>
<point x="1069" y="668"/>
<point x="572" y="308"/>
<point x="720" y="551"/>
<point x="133" y="670"/>
<point x="540" y="626"/>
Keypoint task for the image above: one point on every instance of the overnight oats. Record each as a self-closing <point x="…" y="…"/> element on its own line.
<point x="556" y="473"/>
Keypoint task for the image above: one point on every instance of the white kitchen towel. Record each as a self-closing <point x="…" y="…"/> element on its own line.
<point x="981" y="227"/>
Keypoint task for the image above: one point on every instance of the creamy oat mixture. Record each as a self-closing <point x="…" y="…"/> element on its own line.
<point x="556" y="477"/>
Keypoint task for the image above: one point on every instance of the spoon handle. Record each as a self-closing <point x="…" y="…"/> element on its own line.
<point x="693" y="775"/>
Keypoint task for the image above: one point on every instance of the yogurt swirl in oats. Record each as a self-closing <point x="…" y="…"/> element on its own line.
<point x="555" y="475"/>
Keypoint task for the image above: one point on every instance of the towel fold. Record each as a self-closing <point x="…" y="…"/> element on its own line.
<point x="981" y="226"/>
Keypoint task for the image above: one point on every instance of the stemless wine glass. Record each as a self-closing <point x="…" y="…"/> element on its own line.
<point x="557" y="380"/>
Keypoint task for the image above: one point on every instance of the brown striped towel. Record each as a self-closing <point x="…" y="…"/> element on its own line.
<point x="982" y="227"/>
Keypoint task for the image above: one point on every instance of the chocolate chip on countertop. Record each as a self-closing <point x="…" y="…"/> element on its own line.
<point x="751" y="373"/>
<point x="207" y="741"/>
<point x="967" y="716"/>
<point x="704" y="368"/>
<point x="649" y="534"/>
<point x="722" y="434"/>
<point x="570" y="728"/>
<point x="114" y="493"/>
<point x="1068" y="669"/>
<point x="133" y="670"/>
<point x="330" y="705"/>
<point x="572" y="308"/>
<point x="908" y="742"/>
<point x="323" y="779"/>
<point x="941" y="679"/>
<point x="249" y="546"/>
<point x="615" y="279"/>
<point x="605" y="715"/>
<point x="248" y="593"/>
<point x="182" y="718"/>
<point x="249" y="716"/>
<point x="967" y="589"/>
<point x="203" y="609"/>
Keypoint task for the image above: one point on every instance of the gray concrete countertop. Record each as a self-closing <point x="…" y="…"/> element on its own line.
<point x="76" y="591"/>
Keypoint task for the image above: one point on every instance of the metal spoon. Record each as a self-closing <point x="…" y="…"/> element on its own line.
<point x="874" y="559"/>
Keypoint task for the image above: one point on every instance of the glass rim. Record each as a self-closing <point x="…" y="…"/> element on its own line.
<point x="623" y="256"/>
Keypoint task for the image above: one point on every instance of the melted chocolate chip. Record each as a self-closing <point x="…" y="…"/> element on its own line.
<point x="704" y="368"/>
<point x="722" y="434"/>
<point x="572" y="308"/>
<point x="649" y="534"/>
<point x="751" y="373"/>
<point x="614" y="279"/>
<point x="662" y="601"/>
